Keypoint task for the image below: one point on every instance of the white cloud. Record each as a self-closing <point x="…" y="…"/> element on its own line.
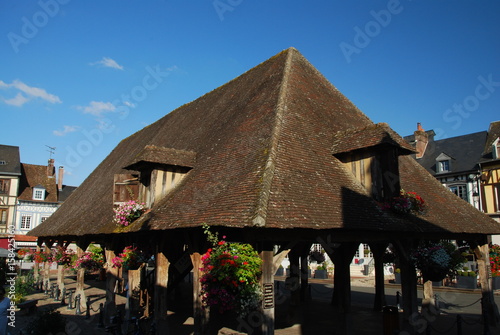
<point x="66" y="130"/>
<point x="30" y="93"/>
<point x="17" y="101"/>
<point x="97" y="108"/>
<point x="108" y="62"/>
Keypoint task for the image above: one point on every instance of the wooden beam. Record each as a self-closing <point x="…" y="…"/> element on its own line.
<point x="161" y="292"/>
<point x="199" y="314"/>
<point x="378" y="250"/>
<point x="491" y="317"/>
<point x="112" y="275"/>
<point x="268" y="291"/>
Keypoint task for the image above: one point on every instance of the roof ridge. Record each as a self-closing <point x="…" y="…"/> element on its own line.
<point x="268" y="174"/>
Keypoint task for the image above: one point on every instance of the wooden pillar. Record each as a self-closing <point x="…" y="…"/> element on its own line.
<point x="160" y="293"/>
<point x="408" y="287"/>
<point x="36" y="267"/>
<point x="111" y="278"/>
<point x="293" y="284"/>
<point x="46" y="272"/>
<point x="60" y="269"/>
<point x="199" y="314"/>
<point x="133" y="292"/>
<point x="268" y="290"/>
<point x="81" y="246"/>
<point x="304" y="272"/>
<point x="378" y="251"/>
<point x="342" y="256"/>
<point x="488" y="307"/>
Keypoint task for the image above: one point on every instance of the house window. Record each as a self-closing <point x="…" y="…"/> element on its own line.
<point x="460" y="191"/>
<point x="43" y="219"/>
<point x="496" y="149"/>
<point x="4" y="186"/>
<point x="497" y="197"/>
<point x="38" y="194"/>
<point x="25" y="221"/>
<point x="443" y="166"/>
<point x="3" y="215"/>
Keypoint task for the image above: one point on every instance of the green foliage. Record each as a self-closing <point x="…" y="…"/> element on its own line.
<point x="23" y="286"/>
<point x="48" y="322"/>
<point x="322" y="267"/>
<point x="231" y="276"/>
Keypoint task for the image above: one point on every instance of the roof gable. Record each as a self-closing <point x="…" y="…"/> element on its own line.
<point x="367" y="137"/>
<point x="35" y="176"/>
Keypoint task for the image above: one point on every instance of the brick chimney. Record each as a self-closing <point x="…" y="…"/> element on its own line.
<point x="421" y="140"/>
<point x="51" y="171"/>
<point x="60" y="178"/>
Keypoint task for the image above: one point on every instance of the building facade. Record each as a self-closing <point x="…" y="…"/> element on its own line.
<point x="10" y="172"/>
<point x="490" y="175"/>
<point x="41" y="192"/>
<point x="453" y="161"/>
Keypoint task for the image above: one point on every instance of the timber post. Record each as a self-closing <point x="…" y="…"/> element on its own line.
<point x="489" y="309"/>
<point x="81" y="246"/>
<point x="46" y="272"/>
<point x="161" y="291"/>
<point x="268" y="308"/>
<point x="111" y="278"/>
<point x="408" y="285"/>
<point x="199" y="314"/>
<point x="378" y="251"/>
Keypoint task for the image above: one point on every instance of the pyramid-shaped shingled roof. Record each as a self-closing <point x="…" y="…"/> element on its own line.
<point x="263" y="158"/>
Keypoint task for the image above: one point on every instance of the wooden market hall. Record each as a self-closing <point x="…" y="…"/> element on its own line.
<point x="277" y="158"/>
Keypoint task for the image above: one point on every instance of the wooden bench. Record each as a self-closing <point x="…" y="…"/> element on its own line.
<point x="29" y="306"/>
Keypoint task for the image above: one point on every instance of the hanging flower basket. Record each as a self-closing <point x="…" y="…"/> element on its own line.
<point x="128" y="212"/>
<point x="433" y="261"/>
<point x="129" y="259"/>
<point x="42" y="257"/>
<point x="62" y="256"/>
<point x="406" y="203"/>
<point x="231" y="273"/>
<point x="89" y="262"/>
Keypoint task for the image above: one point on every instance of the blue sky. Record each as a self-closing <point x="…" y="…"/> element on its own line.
<point x="82" y="75"/>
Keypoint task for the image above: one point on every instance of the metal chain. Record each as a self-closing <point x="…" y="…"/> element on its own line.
<point x="444" y="332"/>
<point x="472" y="323"/>
<point x="448" y="303"/>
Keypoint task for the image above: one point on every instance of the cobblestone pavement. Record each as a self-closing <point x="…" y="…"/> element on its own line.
<point x="315" y="316"/>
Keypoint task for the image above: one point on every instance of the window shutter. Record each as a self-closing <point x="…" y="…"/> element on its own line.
<point x="126" y="187"/>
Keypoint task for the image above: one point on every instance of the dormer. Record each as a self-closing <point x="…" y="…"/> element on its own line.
<point x="495" y="148"/>
<point x="39" y="192"/>
<point x="443" y="163"/>
<point x="160" y="170"/>
<point x="371" y="154"/>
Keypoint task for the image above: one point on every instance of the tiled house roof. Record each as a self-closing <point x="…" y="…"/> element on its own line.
<point x="33" y="176"/>
<point x="263" y="145"/>
<point x="464" y="151"/>
<point x="10" y="163"/>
